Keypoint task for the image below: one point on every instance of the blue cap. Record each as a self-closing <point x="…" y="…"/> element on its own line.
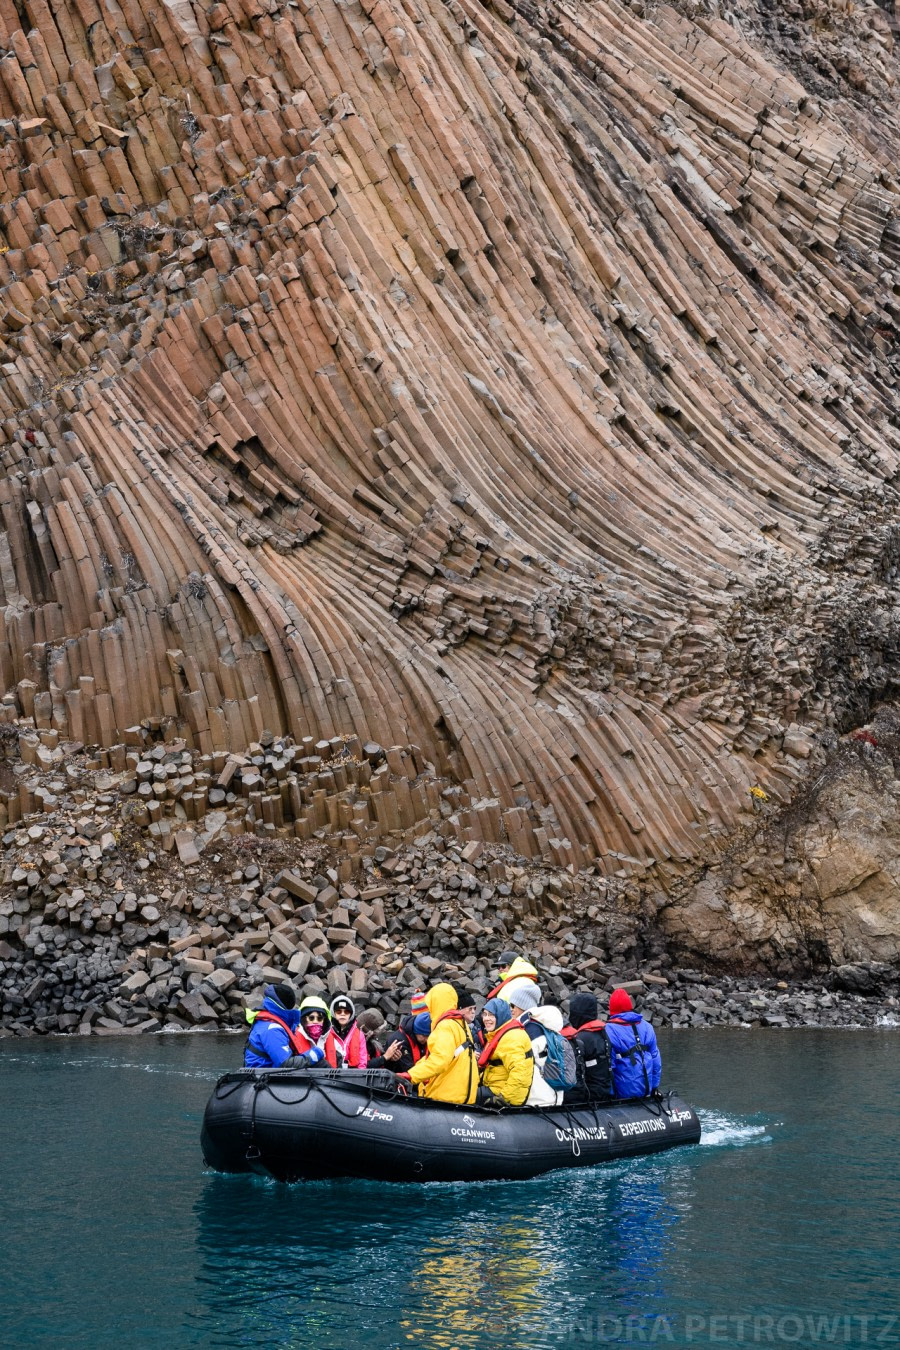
<point x="500" y="1008"/>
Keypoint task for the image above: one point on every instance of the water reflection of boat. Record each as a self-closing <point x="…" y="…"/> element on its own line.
<point x="553" y="1261"/>
<point x="452" y="1267"/>
<point x="299" y="1124"/>
<point x="482" y="1287"/>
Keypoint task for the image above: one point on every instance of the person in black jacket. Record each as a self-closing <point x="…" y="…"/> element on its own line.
<point x="406" y="1046"/>
<point x="592" y="1052"/>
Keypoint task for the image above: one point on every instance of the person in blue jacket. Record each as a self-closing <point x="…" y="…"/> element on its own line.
<point x="634" y="1054"/>
<point x="277" y="1040"/>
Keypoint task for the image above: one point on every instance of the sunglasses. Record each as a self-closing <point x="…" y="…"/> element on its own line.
<point x="313" y="1019"/>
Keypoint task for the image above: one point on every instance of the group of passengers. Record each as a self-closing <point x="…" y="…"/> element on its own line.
<point x="517" y="1051"/>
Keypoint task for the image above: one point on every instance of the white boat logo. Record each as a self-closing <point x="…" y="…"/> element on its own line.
<point x="631" y="1127"/>
<point x="469" y="1122"/>
<point x="577" y="1133"/>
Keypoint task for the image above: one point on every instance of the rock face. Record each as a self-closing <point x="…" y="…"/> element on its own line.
<point x="844" y="52"/>
<point x="515" y="383"/>
<point x="819" y="884"/>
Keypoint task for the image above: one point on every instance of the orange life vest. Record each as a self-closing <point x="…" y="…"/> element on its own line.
<point x="595" y="1025"/>
<point x="415" y="1048"/>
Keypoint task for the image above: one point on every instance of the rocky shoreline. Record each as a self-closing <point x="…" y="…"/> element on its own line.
<point x="119" y="1003"/>
<point x="142" y="990"/>
<point x="121" y="913"/>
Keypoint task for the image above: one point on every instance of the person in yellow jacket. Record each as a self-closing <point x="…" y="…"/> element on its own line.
<point x="507" y="1060"/>
<point x="514" y="972"/>
<point x="448" y="1071"/>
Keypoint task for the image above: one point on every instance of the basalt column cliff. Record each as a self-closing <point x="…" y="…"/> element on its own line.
<point x="513" y="382"/>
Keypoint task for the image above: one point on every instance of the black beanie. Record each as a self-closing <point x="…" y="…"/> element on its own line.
<point x="582" y="1008"/>
<point x="285" y="995"/>
<point x="463" y="998"/>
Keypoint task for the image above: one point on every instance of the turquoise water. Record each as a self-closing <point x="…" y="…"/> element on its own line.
<point x="781" y="1228"/>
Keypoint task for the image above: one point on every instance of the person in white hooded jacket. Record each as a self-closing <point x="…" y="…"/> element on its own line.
<point x="525" y="1005"/>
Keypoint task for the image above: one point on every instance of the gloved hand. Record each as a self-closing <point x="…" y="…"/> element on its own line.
<point x="314" y="1055"/>
<point x="488" y="1098"/>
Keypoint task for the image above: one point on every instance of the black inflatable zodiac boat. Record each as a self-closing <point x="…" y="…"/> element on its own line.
<point x="295" y="1124"/>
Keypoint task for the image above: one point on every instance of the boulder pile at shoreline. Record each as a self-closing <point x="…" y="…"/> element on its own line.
<point x="203" y="979"/>
<point x="118" y="919"/>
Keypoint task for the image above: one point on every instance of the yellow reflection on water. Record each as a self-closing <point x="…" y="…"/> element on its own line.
<point x="476" y="1293"/>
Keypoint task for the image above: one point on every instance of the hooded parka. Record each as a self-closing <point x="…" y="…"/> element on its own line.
<point x="507" y="1063"/>
<point x="448" y="1072"/>
<point x="276" y="1036"/>
<point x="636" y="1061"/>
<point x="520" y="970"/>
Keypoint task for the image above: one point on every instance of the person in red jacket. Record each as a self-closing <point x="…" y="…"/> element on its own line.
<point x="345" y="1045"/>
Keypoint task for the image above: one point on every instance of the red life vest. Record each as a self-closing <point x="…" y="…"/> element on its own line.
<point x="351" y="1043"/>
<point x="522" y="975"/>
<point x="487" y="1052"/>
<point x="298" y="1040"/>
<point x="595" y="1025"/>
<point x="415" y="1048"/>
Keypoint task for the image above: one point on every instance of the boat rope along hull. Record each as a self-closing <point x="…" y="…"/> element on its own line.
<point x="309" y="1124"/>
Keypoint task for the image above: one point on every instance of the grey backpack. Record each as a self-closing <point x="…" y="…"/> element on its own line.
<point x="560" y="1070"/>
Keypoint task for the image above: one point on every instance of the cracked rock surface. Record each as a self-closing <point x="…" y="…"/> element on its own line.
<point x="512" y="383"/>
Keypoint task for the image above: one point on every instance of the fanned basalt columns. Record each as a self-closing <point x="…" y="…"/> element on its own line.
<point x="515" y="382"/>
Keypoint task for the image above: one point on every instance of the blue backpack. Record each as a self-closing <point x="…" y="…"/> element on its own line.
<point x="560" y="1069"/>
